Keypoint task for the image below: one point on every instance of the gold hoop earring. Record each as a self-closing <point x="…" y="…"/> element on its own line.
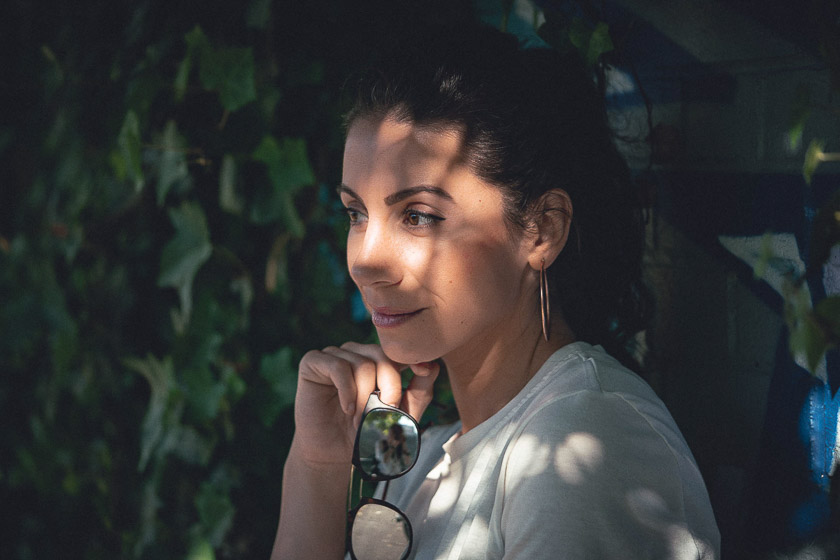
<point x="545" y="306"/>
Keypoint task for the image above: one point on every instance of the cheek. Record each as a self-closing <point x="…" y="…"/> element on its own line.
<point x="483" y="275"/>
<point x="351" y="253"/>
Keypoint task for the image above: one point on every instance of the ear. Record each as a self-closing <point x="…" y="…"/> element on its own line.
<point x="551" y="223"/>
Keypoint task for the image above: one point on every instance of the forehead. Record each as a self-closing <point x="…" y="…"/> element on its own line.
<point x="402" y="150"/>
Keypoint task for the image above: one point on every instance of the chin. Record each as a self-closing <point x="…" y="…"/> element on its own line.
<point x="405" y="353"/>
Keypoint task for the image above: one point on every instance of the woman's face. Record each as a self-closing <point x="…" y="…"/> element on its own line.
<point x="428" y="246"/>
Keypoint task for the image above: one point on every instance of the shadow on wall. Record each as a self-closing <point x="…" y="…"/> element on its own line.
<point x="762" y="428"/>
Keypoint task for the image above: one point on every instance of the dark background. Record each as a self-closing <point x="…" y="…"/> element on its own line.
<point x="170" y="246"/>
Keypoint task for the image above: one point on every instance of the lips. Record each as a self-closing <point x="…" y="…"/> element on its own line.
<point x="386" y="317"/>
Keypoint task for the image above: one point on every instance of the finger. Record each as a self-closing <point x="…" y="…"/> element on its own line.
<point x="425" y="368"/>
<point x="363" y="374"/>
<point x="388" y="378"/>
<point x="420" y="391"/>
<point x="325" y="369"/>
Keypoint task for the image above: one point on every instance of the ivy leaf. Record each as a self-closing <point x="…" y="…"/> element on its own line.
<point x="189" y="445"/>
<point x="281" y="374"/>
<point x="162" y="414"/>
<point x="590" y="43"/>
<point x="230" y="71"/>
<point x="600" y="42"/>
<point x="215" y="510"/>
<point x="235" y="385"/>
<point x="765" y="256"/>
<point x="288" y="171"/>
<point x="287" y="162"/>
<point x="807" y="341"/>
<point x="828" y="311"/>
<point x="578" y="35"/>
<point x="203" y="392"/>
<point x="172" y="167"/>
<point x="229" y="200"/>
<point x="128" y="162"/>
<point x="184" y="254"/>
<point x="812" y="159"/>
<point x="800" y="112"/>
<point x="197" y="44"/>
<point x="201" y="550"/>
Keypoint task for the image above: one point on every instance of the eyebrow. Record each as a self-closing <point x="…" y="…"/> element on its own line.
<point x="401" y="195"/>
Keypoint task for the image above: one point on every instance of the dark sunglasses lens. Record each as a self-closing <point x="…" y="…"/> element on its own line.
<point x="388" y="443"/>
<point x="380" y="533"/>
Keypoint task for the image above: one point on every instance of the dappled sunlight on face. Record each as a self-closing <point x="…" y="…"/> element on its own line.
<point x="578" y="454"/>
<point x="428" y="246"/>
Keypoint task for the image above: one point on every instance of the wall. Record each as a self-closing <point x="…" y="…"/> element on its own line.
<point x="722" y="90"/>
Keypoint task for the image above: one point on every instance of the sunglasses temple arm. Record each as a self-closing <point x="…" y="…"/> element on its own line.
<point x="385" y="490"/>
<point x="350" y="487"/>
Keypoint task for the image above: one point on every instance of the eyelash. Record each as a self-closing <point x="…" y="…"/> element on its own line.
<point x="429" y="219"/>
<point x="349" y="212"/>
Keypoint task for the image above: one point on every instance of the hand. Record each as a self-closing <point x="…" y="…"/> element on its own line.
<point x="333" y="388"/>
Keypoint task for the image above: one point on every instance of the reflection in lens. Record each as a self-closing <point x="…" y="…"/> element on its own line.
<point x="388" y="443"/>
<point x="380" y="533"/>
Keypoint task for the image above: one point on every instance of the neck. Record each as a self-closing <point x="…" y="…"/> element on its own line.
<point x="485" y="379"/>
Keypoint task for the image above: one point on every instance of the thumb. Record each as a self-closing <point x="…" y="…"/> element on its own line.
<point x="420" y="390"/>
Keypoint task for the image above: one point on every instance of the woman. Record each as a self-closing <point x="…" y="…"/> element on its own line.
<point x="472" y="168"/>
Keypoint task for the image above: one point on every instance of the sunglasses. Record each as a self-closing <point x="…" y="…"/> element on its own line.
<point x="387" y="446"/>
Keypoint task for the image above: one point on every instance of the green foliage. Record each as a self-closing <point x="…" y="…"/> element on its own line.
<point x="279" y="372"/>
<point x="813" y="157"/>
<point x="288" y="171"/>
<point x="226" y="70"/>
<point x="591" y="43"/>
<point x="806" y="339"/>
<point x="169" y="249"/>
<point x="591" y="40"/>
<point x="183" y="255"/>
<point x="127" y="161"/>
<point x="813" y="331"/>
<point x="171" y="164"/>
<point x="162" y="411"/>
<point x="799" y="115"/>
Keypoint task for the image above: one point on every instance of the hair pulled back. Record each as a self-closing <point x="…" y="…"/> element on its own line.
<point x="532" y="121"/>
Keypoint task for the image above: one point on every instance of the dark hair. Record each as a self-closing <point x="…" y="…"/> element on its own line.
<point x="533" y="121"/>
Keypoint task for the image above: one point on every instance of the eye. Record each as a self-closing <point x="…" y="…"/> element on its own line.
<point x="415" y="218"/>
<point x="355" y="216"/>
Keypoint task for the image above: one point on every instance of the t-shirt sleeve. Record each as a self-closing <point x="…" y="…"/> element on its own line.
<point x="598" y="475"/>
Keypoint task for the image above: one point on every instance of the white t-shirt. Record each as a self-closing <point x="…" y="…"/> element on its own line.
<point x="585" y="462"/>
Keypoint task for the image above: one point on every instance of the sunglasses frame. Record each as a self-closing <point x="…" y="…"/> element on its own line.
<point x="366" y="501"/>
<point x="374" y="404"/>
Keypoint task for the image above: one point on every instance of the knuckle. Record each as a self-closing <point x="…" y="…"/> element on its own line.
<point x="310" y="357"/>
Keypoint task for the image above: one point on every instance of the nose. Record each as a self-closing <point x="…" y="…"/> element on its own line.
<point x="371" y="257"/>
